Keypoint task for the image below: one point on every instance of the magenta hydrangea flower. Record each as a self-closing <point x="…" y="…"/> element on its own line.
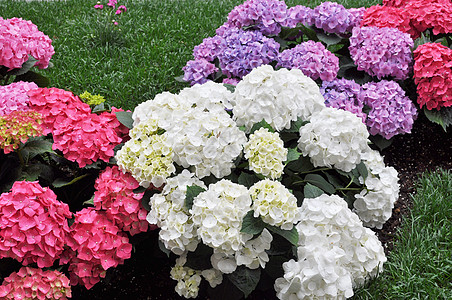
<point x="265" y="16"/>
<point x="20" y="38"/>
<point x="297" y="14"/>
<point x="392" y="112"/>
<point x="312" y="58"/>
<point x="198" y="71"/>
<point x="344" y="94"/>
<point x="114" y="194"/>
<point x="14" y="96"/>
<point x="332" y="17"/>
<point x="210" y="48"/>
<point x="95" y="244"/>
<point x="382" y="52"/>
<point x="33" y="224"/>
<point x="33" y="283"/>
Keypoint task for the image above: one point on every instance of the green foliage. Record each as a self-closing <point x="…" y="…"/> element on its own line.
<point x="245" y="279"/>
<point x="192" y="192"/>
<point x="125" y="118"/>
<point x="442" y="117"/>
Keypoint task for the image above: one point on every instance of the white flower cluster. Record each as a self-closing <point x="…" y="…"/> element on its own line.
<point x="374" y="204"/>
<point x="147" y="155"/>
<point x="253" y="254"/>
<point x="275" y="204"/>
<point x="188" y="280"/>
<point x="177" y="231"/>
<point x="334" y="138"/>
<point x="278" y="97"/>
<point x="335" y="253"/>
<point x="266" y="153"/>
<point x="202" y="134"/>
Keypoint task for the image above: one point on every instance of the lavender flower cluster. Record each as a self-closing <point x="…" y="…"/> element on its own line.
<point x="312" y="58"/>
<point x="391" y="111"/>
<point x="382" y="51"/>
<point x="297" y="14"/>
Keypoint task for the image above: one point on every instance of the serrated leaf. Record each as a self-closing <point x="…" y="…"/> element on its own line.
<point x="290" y="235"/>
<point x="311" y="191"/>
<point x="125" y="118"/>
<point x="442" y="117"/>
<point x="320" y="182"/>
<point x="26" y="66"/>
<point x="192" y="192"/>
<point x="247" y="180"/>
<point x="302" y="164"/>
<point x="329" y="38"/>
<point x="261" y="124"/>
<point x="59" y="182"/>
<point x="251" y="224"/>
<point x="34" y="147"/>
<point x="90" y="201"/>
<point x="362" y="170"/>
<point x="292" y="155"/>
<point x="230" y="87"/>
<point x="99" y="108"/>
<point x="245" y="279"/>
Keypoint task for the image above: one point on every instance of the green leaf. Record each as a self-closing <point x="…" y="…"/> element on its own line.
<point x="362" y="170"/>
<point x="296" y="125"/>
<point x="329" y="38"/>
<point x="59" y="182"/>
<point x="200" y="258"/>
<point x="90" y="201"/>
<point x="290" y="235"/>
<point x="442" y="117"/>
<point x="163" y="248"/>
<point x="311" y="191"/>
<point x="31" y="173"/>
<point x="320" y="182"/>
<point x="302" y="164"/>
<point x="251" y="224"/>
<point x="31" y="76"/>
<point x="146" y="198"/>
<point x="309" y="31"/>
<point x="26" y="66"/>
<point x="247" y="179"/>
<point x="380" y="141"/>
<point x="36" y="146"/>
<point x="292" y="155"/>
<point x="99" y="108"/>
<point x="140" y="189"/>
<point x="261" y="124"/>
<point x="230" y="87"/>
<point x="192" y="192"/>
<point x="125" y="118"/>
<point x="245" y="279"/>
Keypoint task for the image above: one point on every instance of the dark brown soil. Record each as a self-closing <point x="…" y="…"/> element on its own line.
<point x="146" y="274"/>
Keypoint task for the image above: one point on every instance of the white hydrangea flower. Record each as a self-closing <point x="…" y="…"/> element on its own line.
<point x="275" y="204"/>
<point x="334" y="138"/>
<point x="278" y="97"/>
<point x="177" y="231"/>
<point x="218" y="213"/>
<point x="374" y="204"/>
<point x="222" y="262"/>
<point x="208" y="96"/>
<point x="253" y="254"/>
<point x="188" y="280"/>
<point x="335" y="252"/>
<point x="266" y="153"/>
<point x="213" y="276"/>
<point x="148" y="156"/>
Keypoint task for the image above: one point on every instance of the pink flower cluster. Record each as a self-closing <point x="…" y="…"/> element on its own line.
<point x="433" y="75"/>
<point x="114" y="194"/>
<point x="95" y="245"/>
<point x="17" y="127"/>
<point x="31" y="283"/>
<point x="33" y="224"/>
<point x="82" y="136"/>
<point x="112" y="4"/>
<point x="199" y="71"/>
<point x="20" y="38"/>
<point x="14" y="96"/>
<point x="312" y="58"/>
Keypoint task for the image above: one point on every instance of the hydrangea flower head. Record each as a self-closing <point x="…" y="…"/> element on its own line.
<point x="168" y="211"/>
<point x="334" y="138"/>
<point x="274" y="204"/>
<point x="344" y="94"/>
<point x="95" y="245"/>
<point x="266" y="153"/>
<point x="210" y="48"/>
<point x="297" y="14"/>
<point x="278" y="97"/>
<point x="14" y="96"/>
<point x="198" y="71"/>
<point x="114" y="194"/>
<point x="188" y="280"/>
<point x="381" y="52"/>
<point x="312" y="58"/>
<point x="17" y="127"/>
<point x="32" y="283"/>
<point x="33" y="224"/>
<point x="433" y="75"/>
<point x="436" y="14"/>
<point x="21" y="38"/>
<point x="91" y="99"/>
<point x="253" y="254"/>
<point x="332" y="18"/>
<point x="391" y="111"/>
<point x="265" y="16"/>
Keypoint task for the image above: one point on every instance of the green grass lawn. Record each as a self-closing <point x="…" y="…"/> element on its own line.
<point x="159" y="37"/>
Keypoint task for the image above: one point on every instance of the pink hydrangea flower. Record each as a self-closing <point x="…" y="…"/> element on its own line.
<point x="17" y="127"/>
<point x="32" y="283"/>
<point x="95" y="244"/>
<point x="14" y="96"/>
<point x="114" y="194"/>
<point x="33" y="224"/>
<point x="20" y="38"/>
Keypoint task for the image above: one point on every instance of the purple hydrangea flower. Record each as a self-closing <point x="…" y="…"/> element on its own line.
<point x="356" y="16"/>
<point x="297" y="14"/>
<point x="312" y="58"/>
<point x="382" y="51"/>
<point x="246" y="50"/>
<point x="265" y="15"/>
<point x="333" y="18"/>
<point x="392" y="112"/>
<point x="197" y="71"/>
<point x="209" y="48"/>
<point x="344" y="94"/>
